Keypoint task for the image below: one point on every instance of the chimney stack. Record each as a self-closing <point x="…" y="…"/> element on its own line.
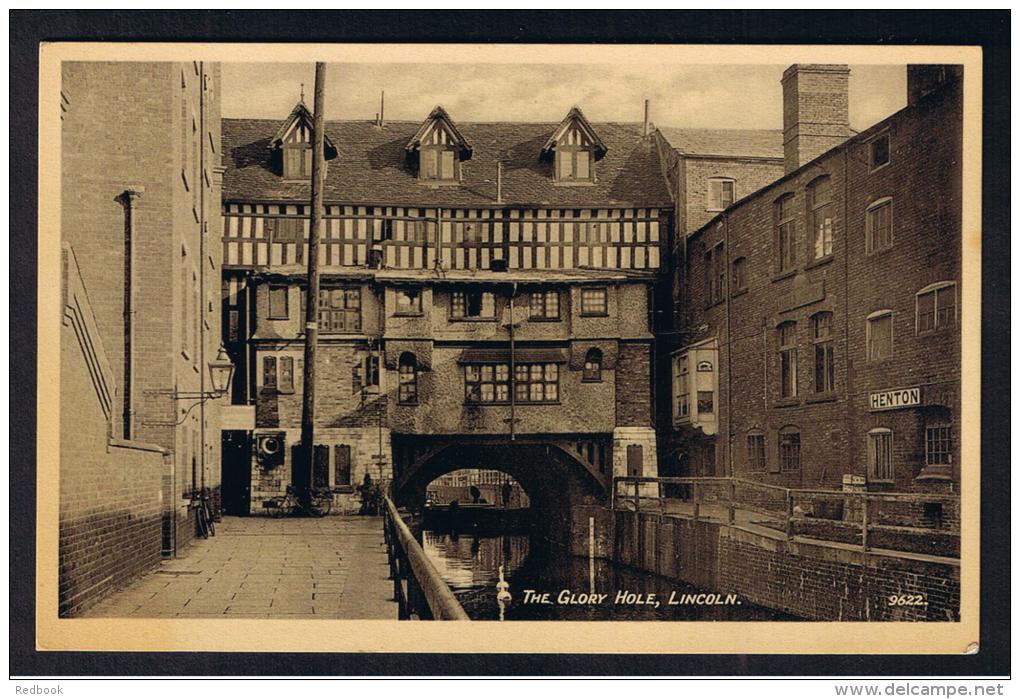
<point x="382" y="107"/>
<point x="816" y="111"/>
<point x="922" y="80"/>
<point x="645" y="131"/>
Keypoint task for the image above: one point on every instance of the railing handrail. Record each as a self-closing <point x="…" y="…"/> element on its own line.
<point x="441" y="600"/>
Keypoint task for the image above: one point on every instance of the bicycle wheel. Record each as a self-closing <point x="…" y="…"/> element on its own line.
<point x="209" y="519"/>
<point x="203" y="522"/>
<point x="321" y="505"/>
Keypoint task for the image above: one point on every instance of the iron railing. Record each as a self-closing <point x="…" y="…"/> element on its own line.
<point x="420" y="592"/>
<point x="896" y="521"/>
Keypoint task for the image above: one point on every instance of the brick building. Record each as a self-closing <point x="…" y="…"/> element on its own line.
<point x="485" y="286"/>
<point x="818" y="320"/>
<point x="141" y="285"/>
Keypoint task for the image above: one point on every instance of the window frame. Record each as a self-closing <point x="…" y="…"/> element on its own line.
<point x="787" y="356"/>
<point x="715" y="273"/>
<point x="416" y="307"/>
<point x="784" y="453"/>
<point x="475" y="397"/>
<point x="933" y="290"/>
<point x="884" y="472"/>
<point x="756" y="454"/>
<point x="738" y="274"/>
<point x="287" y="386"/>
<point x="407" y="386"/>
<point x="527" y="383"/>
<point x="604" y="291"/>
<point x="682" y="399"/>
<point x="869" y="324"/>
<point x="785" y="228"/>
<point x="940" y="425"/>
<point x="826" y="344"/>
<point x="815" y="209"/>
<point x="327" y="327"/>
<point x="592" y="371"/>
<point x="286" y="302"/>
<point x="869" y="225"/>
<point x="303" y="153"/>
<point x="872" y="165"/>
<point x="543" y="297"/>
<point x="711" y="204"/>
<point x="464" y="317"/>
<point x="567" y="150"/>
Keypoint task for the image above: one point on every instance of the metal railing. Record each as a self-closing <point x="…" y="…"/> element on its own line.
<point x="420" y="592"/>
<point x="896" y="521"/>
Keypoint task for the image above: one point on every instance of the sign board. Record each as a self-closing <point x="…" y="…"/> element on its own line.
<point x="854" y="484"/>
<point x="894" y="399"/>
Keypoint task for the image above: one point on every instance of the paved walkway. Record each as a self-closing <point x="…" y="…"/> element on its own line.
<point x="261" y="567"/>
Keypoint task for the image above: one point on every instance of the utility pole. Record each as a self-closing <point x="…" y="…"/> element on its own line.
<point x="312" y="306"/>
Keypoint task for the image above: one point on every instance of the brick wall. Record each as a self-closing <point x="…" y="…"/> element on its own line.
<point x="923" y="181"/>
<point x="110" y="490"/>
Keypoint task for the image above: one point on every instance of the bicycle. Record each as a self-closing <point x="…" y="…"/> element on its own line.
<point x="203" y="516"/>
<point x="320" y="503"/>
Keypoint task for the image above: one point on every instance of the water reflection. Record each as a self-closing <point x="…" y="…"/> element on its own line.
<point x="470" y="565"/>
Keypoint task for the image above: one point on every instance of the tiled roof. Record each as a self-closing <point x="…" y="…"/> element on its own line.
<point x="758" y="143"/>
<point x="372" y="167"/>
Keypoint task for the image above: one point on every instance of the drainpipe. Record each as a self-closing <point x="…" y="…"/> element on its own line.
<point x="128" y="198"/>
<point x="203" y="227"/>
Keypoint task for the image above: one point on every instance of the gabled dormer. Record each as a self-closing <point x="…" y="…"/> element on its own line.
<point x="574" y="147"/>
<point x="292" y="145"/>
<point x="438" y="148"/>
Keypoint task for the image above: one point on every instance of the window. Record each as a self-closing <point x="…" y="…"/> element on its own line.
<point x="825" y="368"/>
<point x="755" y="451"/>
<point x="720" y="193"/>
<point x="820" y="207"/>
<point x="407" y="389"/>
<point x="739" y="274"/>
<point x="297" y="161"/>
<point x="635" y="460"/>
<point x="938" y="439"/>
<point x="788" y="360"/>
<point x="682" y="387"/>
<point x="879" y="150"/>
<point x="880" y="454"/>
<point x="706" y="400"/>
<point x="592" y="365"/>
<point x="536" y="383"/>
<point x="438" y="163"/>
<point x="880" y="335"/>
<point x="936" y="307"/>
<point x="789" y="449"/>
<point x="878" y="226"/>
<point x="269" y="372"/>
<point x="573" y="160"/>
<point x="786" y="252"/>
<point x="472" y="305"/>
<point x="487" y="383"/>
<point x="340" y="310"/>
<point x="408" y="302"/>
<point x="593" y="302"/>
<point x="285" y="383"/>
<point x="278" y="303"/>
<point x="545" y="305"/>
<point x="365" y="373"/>
<point x="341" y="465"/>
<point x="715" y="271"/>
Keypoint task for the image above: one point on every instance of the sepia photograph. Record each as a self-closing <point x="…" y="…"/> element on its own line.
<point x="408" y="333"/>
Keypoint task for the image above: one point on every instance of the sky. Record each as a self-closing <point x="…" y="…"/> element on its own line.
<point x="693" y="96"/>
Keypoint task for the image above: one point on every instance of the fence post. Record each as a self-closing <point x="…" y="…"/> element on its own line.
<point x="789" y="515"/>
<point x="864" y="522"/>
<point x="694" y="500"/>
<point x="730" y="513"/>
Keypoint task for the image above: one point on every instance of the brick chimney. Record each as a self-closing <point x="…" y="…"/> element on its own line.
<point x="816" y="111"/>
<point x="922" y="80"/>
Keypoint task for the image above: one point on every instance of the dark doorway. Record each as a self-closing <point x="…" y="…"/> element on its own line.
<point x="236" y="472"/>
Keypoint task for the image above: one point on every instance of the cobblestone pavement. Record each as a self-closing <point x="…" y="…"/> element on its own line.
<point x="261" y="567"/>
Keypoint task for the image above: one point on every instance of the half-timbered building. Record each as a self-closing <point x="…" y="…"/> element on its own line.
<point x="487" y="295"/>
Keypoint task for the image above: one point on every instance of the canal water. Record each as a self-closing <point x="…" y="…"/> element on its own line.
<point x="470" y="565"/>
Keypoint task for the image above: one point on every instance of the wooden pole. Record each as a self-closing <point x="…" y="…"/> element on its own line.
<point x="312" y="306"/>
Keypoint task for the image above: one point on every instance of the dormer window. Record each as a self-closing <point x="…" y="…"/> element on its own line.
<point x="292" y="145"/>
<point x="574" y="147"/>
<point x="439" y="147"/>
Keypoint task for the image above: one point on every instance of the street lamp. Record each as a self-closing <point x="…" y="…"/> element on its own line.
<point x="221" y="371"/>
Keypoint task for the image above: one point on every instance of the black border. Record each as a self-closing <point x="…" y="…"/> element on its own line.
<point x="988" y="29"/>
